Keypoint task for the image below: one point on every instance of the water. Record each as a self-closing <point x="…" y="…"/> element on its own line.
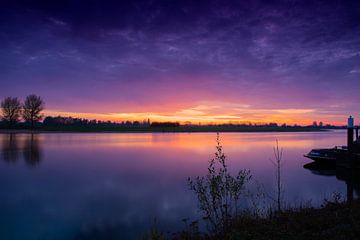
<point x="82" y="186"/>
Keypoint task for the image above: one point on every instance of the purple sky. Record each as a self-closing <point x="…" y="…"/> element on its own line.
<point x="285" y="61"/>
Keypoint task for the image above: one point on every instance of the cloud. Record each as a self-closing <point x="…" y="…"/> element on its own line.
<point x="202" y="56"/>
<point x="354" y="71"/>
<point x="295" y="111"/>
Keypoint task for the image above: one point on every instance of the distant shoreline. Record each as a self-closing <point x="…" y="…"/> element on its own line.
<point x="182" y="129"/>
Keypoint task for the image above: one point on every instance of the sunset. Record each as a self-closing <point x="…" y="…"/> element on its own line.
<point x="204" y="61"/>
<point x="179" y="120"/>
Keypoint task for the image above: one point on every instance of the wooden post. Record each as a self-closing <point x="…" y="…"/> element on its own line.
<point x="350" y="133"/>
<point x="349" y="192"/>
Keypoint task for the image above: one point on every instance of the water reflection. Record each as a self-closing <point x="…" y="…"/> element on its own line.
<point x="10" y="148"/>
<point x="102" y="186"/>
<point x="108" y="231"/>
<point x="350" y="175"/>
<point x="32" y="151"/>
<point x="12" y="145"/>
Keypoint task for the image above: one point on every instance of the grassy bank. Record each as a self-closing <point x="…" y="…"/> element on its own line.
<point x="333" y="221"/>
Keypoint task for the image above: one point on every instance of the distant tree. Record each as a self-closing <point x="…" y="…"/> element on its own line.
<point x="32" y="108"/>
<point x="165" y="124"/>
<point x="11" y="110"/>
<point x="49" y="121"/>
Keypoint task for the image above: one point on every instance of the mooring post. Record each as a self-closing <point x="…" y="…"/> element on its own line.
<point x="350" y="133"/>
<point x="357" y="133"/>
<point x="349" y="192"/>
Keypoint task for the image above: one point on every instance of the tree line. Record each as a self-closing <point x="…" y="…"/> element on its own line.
<point x="30" y="111"/>
<point x="73" y="121"/>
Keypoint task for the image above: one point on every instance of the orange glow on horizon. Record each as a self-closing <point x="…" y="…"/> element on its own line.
<point x="209" y="114"/>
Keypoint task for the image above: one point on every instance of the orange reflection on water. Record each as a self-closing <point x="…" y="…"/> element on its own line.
<point x="196" y="142"/>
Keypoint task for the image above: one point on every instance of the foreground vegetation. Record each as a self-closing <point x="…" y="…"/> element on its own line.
<point x="221" y="195"/>
<point x="333" y="221"/>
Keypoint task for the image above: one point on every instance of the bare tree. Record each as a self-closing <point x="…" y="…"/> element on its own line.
<point x="11" y="110"/>
<point x="279" y="162"/>
<point x="33" y="106"/>
<point x="219" y="192"/>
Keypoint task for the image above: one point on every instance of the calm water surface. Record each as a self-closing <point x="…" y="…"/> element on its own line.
<point x="81" y="186"/>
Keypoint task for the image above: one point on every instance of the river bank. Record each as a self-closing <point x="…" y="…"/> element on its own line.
<point x="334" y="220"/>
<point x="111" y="129"/>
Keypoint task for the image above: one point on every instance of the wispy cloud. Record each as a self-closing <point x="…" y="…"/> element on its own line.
<point x="194" y="59"/>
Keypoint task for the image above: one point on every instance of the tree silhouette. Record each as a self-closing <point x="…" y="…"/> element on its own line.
<point x="11" y="110"/>
<point x="33" y="107"/>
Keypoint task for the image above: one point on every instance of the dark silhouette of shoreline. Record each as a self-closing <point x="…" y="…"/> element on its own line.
<point x="69" y="124"/>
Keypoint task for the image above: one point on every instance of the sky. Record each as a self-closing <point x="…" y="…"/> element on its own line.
<point x="200" y="61"/>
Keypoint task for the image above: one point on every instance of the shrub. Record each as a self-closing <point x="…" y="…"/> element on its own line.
<point x="219" y="192"/>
